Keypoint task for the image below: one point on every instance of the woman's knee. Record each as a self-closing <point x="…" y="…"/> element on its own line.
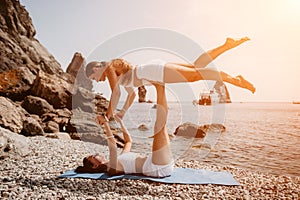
<point x="159" y="87"/>
<point x="191" y="75"/>
<point x="196" y="76"/>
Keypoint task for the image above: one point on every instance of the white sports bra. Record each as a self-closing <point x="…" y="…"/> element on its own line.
<point x="128" y="162"/>
<point x="126" y="79"/>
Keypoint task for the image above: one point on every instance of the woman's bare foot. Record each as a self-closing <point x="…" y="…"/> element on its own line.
<point x="231" y="43"/>
<point x="246" y="84"/>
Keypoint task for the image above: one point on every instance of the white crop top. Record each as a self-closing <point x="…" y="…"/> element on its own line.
<point x="126" y="79"/>
<point x="128" y="162"/>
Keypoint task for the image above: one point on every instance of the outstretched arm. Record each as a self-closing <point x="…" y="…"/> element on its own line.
<point x="112" y="145"/>
<point x="126" y="135"/>
<point x="129" y="100"/>
<point x="115" y="92"/>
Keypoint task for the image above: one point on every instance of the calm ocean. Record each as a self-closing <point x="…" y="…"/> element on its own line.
<point x="259" y="136"/>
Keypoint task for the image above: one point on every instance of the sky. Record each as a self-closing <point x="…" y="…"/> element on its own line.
<point x="270" y="60"/>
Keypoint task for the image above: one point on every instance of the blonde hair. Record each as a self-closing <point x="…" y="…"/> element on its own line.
<point x="121" y="65"/>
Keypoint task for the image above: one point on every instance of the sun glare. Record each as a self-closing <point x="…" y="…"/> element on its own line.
<point x="294" y="6"/>
<point x="295" y="2"/>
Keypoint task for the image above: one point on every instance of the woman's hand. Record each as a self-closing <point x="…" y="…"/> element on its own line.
<point x="120" y="121"/>
<point x="100" y="119"/>
<point x="120" y="114"/>
<point x="118" y="118"/>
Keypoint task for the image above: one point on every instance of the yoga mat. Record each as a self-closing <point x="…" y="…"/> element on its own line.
<point x="179" y="175"/>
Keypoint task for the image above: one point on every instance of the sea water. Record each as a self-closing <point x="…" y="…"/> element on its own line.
<point x="259" y="136"/>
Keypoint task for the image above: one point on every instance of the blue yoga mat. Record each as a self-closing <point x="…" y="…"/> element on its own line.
<point x="179" y="175"/>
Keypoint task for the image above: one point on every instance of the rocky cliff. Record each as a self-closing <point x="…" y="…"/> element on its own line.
<point x="17" y="42"/>
<point x="36" y="96"/>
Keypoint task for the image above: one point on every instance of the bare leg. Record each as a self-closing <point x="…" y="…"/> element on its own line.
<point x="161" y="153"/>
<point x="204" y="59"/>
<point x="238" y="81"/>
<point x="174" y="73"/>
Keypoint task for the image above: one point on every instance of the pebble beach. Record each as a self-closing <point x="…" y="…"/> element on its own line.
<point x="35" y="176"/>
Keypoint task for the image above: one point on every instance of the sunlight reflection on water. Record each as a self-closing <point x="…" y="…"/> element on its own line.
<point x="259" y="136"/>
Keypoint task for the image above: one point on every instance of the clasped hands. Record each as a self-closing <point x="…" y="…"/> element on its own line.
<point x="101" y="119"/>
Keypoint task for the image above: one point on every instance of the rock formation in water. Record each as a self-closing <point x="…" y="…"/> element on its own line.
<point x="191" y="130"/>
<point x="142" y="94"/>
<point x="222" y="91"/>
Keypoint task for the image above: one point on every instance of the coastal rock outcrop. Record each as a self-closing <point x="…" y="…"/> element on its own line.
<point x="83" y="99"/>
<point x="16" y="119"/>
<point x="57" y="91"/>
<point x="189" y="130"/>
<point x="76" y="70"/>
<point x="16" y="83"/>
<point x="31" y="127"/>
<point x="36" y="96"/>
<point x="17" y="43"/>
<point x="192" y="130"/>
<point x="36" y="105"/>
<point x="75" y="64"/>
<point x="143" y="127"/>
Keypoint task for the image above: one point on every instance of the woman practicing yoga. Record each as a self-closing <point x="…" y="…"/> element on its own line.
<point x="120" y="72"/>
<point x="157" y="164"/>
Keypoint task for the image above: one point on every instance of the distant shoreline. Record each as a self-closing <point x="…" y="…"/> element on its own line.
<point x="233" y="102"/>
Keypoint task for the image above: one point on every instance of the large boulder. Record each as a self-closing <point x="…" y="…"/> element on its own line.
<point x="16" y="83"/>
<point x="37" y="105"/>
<point x="84" y="122"/>
<point x="31" y="127"/>
<point x="56" y="91"/>
<point x="101" y="104"/>
<point x="63" y="118"/>
<point x="56" y="121"/>
<point x="83" y="99"/>
<point x="76" y="62"/>
<point x="88" y="101"/>
<point x="189" y="130"/>
<point x="83" y="127"/>
<point x="51" y="127"/>
<point x="16" y="119"/>
<point x="76" y="69"/>
<point x="11" y="115"/>
<point x="195" y="131"/>
<point x="13" y="144"/>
